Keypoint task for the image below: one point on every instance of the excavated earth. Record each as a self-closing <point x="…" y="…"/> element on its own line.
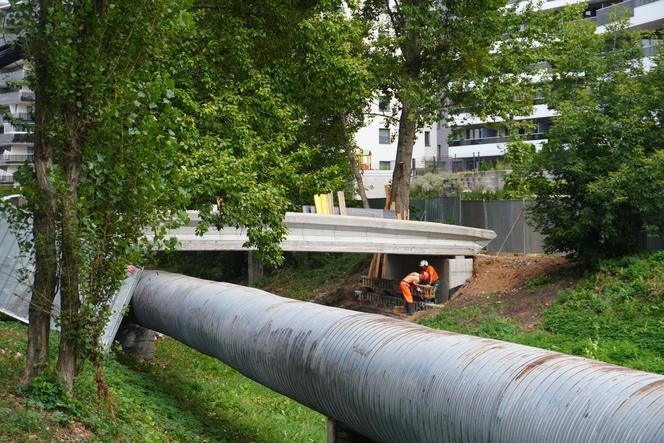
<point x="517" y="286"/>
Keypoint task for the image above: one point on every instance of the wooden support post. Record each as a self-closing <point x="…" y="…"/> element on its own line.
<point x="330" y="203"/>
<point x="342" y="203"/>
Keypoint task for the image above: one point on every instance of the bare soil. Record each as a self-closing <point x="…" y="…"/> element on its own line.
<point x="517" y="286"/>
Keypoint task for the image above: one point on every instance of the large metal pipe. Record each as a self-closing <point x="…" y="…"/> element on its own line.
<point x="395" y="381"/>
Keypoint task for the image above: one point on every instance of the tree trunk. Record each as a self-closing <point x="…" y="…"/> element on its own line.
<point x="400" y="193"/>
<point x="43" y="227"/>
<point x="69" y="289"/>
<point x="349" y="146"/>
<point x="70" y="328"/>
<point x="43" y="288"/>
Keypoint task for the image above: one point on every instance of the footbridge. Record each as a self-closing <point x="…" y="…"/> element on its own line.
<point x="335" y="233"/>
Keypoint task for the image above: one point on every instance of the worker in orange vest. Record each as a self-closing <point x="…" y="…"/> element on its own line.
<point x="433" y="279"/>
<point x="408" y="282"/>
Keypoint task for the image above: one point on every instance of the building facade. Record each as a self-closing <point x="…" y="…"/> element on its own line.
<point x="475" y="144"/>
<point x="16" y="106"/>
<point x="377" y="141"/>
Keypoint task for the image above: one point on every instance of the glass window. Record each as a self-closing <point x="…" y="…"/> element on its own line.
<point x="473" y="133"/>
<point x="488" y="132"/>
<point x="384" y="165"/>
<point x="427" y="138"/>
<point x="384" y="104"/>
<point x="384" y="136"/>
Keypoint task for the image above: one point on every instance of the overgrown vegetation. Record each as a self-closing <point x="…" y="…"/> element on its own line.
<point x="229" y="266"/>
<point x="183" y="396"/>
<point x="598" y="180"/>
<point x="309" y="274"/>
<point x="616" y="315"/>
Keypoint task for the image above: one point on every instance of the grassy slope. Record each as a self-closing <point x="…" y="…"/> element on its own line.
<point x="307" y="275"/>
<point x="615" y="315"/>
<point x="182" y="396"/>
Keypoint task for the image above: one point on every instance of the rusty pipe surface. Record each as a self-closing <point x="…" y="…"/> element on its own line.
<point x="395" y="381"/>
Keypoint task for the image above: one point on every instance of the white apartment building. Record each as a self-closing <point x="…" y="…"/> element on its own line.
<point x="378" y="143"/>
<point x="16" y="121"/>
<point x="16" y="105"/>
<point x="475" y="143"/>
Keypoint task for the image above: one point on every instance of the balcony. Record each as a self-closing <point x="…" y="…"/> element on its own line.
<point x="16" y="137"/>
<point x="9" y="98"/>
<point x="6" y="179"/>
<point x="617" y="11"/>
<point x="503" y="139"/>
<point x="13" y="75"/>
<point x="11" y="159"/>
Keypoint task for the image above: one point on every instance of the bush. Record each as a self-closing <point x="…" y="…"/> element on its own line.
<point x="442" y="184"/>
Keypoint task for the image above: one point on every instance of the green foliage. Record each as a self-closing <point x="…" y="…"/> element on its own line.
<point x="266" y="87"/>
<point x="536" y="282"/>
<point x="7" y="190"/>
<point x="182" y="396"/>
<point x="144" y="109"/>
<point x="599" y="180"/>
<point x="49" y="393"/>
<point x="615" y="315"/>
<point x="209" y="265"/>
<point x="308" y="274"/>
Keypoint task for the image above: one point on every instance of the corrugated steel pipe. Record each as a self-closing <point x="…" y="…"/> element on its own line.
<point x="395" y="381"/>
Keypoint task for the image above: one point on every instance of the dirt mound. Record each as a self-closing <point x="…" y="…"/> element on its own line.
<point x="518" y="286"/>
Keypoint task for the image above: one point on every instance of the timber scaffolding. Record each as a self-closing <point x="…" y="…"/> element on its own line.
<point x="386" y="292"/>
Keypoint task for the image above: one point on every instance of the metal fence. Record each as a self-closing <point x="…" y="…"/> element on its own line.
<point x="515" y="232"/>
<point x="14" y="295"/>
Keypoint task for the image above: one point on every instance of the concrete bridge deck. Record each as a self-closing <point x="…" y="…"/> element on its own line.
<point x="335" y="233"/>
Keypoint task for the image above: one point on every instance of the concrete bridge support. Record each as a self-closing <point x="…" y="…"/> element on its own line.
<point x="337" y="432"/>
<point x="453" y="271"/>
<point x="256" y="271"/>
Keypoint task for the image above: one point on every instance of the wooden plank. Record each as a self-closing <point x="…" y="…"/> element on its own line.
<point x="317" y="203"/>
<point x="383" y="265"/>
<point x="330" y="203"/>
<point x="342" y="203"/>
<point x="372" y="267"/>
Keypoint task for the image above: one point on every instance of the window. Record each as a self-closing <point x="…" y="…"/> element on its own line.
<point x="473" y="133"/>
<point x="385" y="165"/>
<point x="427" y="138"/>
<point x="488" y="133"/>
<point x="384" y="136"/>
<point x="384" y="104"/>
<point x="543" y="126"/>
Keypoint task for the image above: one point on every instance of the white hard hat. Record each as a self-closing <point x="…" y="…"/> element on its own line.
<point x="424" y="263"/>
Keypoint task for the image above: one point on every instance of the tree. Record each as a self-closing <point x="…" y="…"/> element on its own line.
<point x="599" y="179"/>
<point x="268" y="98"/>
<point x="436" y="57"/>
<point x="105" y="162"/>
<point x="145" y="108"/>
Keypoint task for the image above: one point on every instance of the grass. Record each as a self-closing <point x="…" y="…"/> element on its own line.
<point x="182" y="396"/>
<point x="308" y="274"/>
<point x="616" y="315"/>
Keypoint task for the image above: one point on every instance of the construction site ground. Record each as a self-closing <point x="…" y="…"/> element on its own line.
<point x="514" y="286"/>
